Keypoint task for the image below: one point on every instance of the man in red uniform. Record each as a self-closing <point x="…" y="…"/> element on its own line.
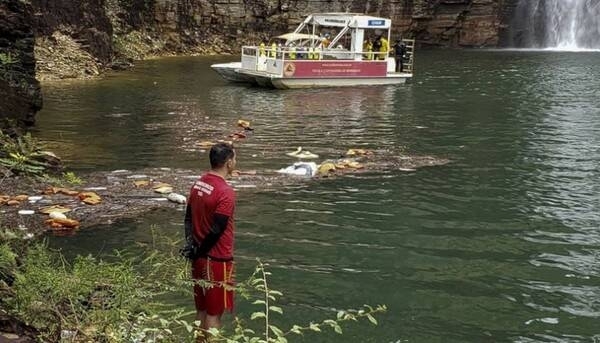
<point x="209" y="223"/>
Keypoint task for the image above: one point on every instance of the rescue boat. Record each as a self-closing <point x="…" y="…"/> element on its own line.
<point x="325" y="50"/>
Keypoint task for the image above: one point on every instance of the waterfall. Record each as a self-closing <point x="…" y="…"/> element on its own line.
<point x="557" y="24"/>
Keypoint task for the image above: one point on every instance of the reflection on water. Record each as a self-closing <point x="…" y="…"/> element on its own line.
<point x="503" y="244"/>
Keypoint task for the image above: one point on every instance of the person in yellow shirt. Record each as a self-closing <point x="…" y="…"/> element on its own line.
<point x="368" y="49"/>
<point x="325" y="42"/>
<point x="384" y="49"/>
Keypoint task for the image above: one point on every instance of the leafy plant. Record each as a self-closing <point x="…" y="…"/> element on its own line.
<point x="92" y="300"/>
<point x="274" y="334"/>
<point x="7" y="59"/>
<point x="23" y="155"/>
<point x="72" y="179"/>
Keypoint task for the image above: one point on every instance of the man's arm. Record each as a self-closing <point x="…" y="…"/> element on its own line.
<point x="187" y="224"/>
<point x="214" y="233"/>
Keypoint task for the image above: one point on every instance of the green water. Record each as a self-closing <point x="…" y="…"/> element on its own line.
<point x="500" y="245"/>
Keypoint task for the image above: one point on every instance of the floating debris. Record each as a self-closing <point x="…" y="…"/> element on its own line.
<point x="302" y="154"/>
<point x="141" y="183"/>
<point x="90" y="198"/>
<point x="57" y="215"/>
<point x="54" y="208"/>
<point x="300" y="169"/>
<point x="62" y="223"/>
<point x="245" y="124"/>
<point x="178" y="198"/>
<point x="34" y="199"/>
<point x="358" y="152"/>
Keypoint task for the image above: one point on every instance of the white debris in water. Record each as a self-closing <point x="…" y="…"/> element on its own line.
<point x="120" y="171"/>
<point x="34" y="199"/>
<point x="138" y="176"/>
<point x="57" y="215"/>
<point x="543" y="320"/>
<point x="26" y="212"/>
<point x="245" y="186"/>
<point x="159" y="199"/>
<point x="178" y="198"/>
<point x="95" y="189"/>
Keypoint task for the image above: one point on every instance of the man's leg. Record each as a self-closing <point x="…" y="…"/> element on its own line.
<point x="201" y="316"/>
<point x="212" y="322"/>
<point x="208" y="322"/>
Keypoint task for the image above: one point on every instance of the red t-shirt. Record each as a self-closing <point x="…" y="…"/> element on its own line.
<point x="209" y="195"/>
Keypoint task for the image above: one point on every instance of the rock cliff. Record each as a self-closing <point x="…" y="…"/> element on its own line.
<point x="19" y="90"/>
<point x="105" y="29"/>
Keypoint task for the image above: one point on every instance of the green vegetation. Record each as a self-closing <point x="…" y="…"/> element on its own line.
<point x="135" y="45"/>
<point x="22" y="154"/>
<point x="7" y="59"/>
<point x="91" y="300"/>
<point x="72" y="179"/>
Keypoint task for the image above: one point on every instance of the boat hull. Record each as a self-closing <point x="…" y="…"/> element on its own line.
<point x="231" y="72"/>
<point x="290" y="83"/>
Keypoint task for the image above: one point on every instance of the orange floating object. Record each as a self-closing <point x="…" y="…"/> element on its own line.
<point x="89" y="198"/>
<point x="245" y="124"/>
<point x="58" y="223"/>
<point x="21" y="197"/>
<point x="237" y="135"/>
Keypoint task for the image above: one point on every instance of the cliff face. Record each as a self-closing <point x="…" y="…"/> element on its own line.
<point x="135" y="28"/>
<point x="19" y="90"/>
<point x="184" y="23"/>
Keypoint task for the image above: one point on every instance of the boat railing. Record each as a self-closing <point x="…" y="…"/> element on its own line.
<point x="409" y="60"/>
<point x="269" y="60"/>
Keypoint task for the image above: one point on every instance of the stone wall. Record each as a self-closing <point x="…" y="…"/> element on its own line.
<point x="20" y="96"/>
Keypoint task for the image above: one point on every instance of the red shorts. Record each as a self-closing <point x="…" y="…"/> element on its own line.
<point x="216" y="299"/>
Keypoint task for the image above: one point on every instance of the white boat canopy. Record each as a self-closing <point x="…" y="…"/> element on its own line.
<point x="299" y="39"/>
<point x="351" y="20"/>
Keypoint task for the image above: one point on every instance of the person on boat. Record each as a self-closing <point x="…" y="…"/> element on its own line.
<point x="261" y="49"/>
<point x="384" y="48"/>
<point x="301" y="53"/>
<point x="377" y="47"/>
<point x="317" y="53"/>
<point x="292" y="53"/>
<point x="311" y="53"/>
<point x="209" y="230"/>
<point x="399" y="54"/>
<point x="326" y="41"/>
<point x="273" y="49"/>
<point x="368" y="49"/>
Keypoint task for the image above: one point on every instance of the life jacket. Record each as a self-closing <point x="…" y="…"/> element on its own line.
<point x="369" y="50"/>
<point x="273" y="50"/>
<point x="261" y="50"/>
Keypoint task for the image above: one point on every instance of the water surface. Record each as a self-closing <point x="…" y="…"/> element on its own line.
<point x="502" y="244"/>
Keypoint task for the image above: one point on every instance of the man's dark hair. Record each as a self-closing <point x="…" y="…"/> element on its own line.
<point x="219" y="154"/>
